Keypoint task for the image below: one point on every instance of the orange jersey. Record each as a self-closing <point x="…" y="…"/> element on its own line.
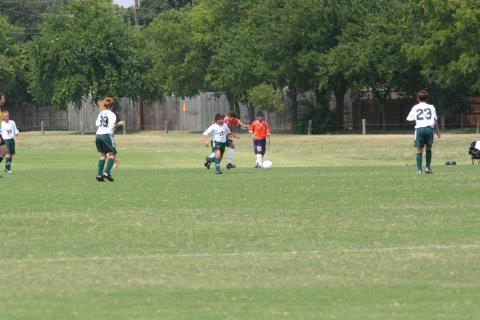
<point x="260" y="130"/>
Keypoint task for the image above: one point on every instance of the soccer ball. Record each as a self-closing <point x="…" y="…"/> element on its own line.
<point x="267" y="164"/>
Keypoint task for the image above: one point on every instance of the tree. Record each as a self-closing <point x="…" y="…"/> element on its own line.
<point x="11" y="59"/>
<point x="446" y="47"/>
<point x="86" y="50"/>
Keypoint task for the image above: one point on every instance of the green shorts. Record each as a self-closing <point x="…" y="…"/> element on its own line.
<point x="105" y="143"/>
<point x="218" y="146"/>
<point x="423" y="137"/>
<point x="10" y="143"/>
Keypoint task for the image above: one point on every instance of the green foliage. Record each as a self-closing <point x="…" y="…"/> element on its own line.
<point x="265" y="97"/>
<point x="11" y="60"/>
<point x="448" y="48"/>
<point x="86" y="50"/>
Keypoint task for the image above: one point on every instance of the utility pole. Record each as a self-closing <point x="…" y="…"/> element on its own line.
<point x="135" y="12"/>
<point x="139" y="99"/>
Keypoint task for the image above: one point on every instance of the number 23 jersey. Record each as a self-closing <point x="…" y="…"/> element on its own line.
<point x="106" y="122"/>
<point x="423" y="114"/>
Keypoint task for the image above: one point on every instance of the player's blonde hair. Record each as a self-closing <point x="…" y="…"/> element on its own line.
<point x="108" y="103"/>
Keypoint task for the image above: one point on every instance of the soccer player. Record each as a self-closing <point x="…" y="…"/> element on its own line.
<point x="425" y="118"/>
<point x="260" y="131"/>
<point x="220" y="133"/>
<point x="3" y="147"/>
<point x="106" y="123"/>
<point x="231" y="120"/>
<point x="9" y="133"/>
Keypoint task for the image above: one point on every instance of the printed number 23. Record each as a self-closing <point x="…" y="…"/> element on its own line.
<point x="424" y="114"/>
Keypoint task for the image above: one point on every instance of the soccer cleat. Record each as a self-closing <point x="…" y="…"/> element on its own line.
<point x="428" y="170"/>
<point x="231" y="166"/>
<point x="218" y="172"/>
<point x="100" y="179"/>
<point x="207" y="163"/>
<point x="419" y="172"/>
<point x="8" y="171"/>
<point x="257" y="165"/>
<point x="107" y="176"/>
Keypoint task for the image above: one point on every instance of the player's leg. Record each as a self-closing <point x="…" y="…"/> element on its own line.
<point x="230" y="153"/>
<point x="101" y="165"/>
<point x="10" y="144"/>
<point x="218" y="159"/>
<point x="3" y="149"/>
<point x="420" y="140"/>
<point x="428" y="152"/>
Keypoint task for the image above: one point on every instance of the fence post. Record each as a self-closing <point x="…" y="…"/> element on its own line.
<point x="42" y="127"/>
<point x="309" y="131"/>
<point x="81" y="127"/>
<point x="166" y="126"/>
<point x="124" y="129"/>
<point x="364" y="126"/>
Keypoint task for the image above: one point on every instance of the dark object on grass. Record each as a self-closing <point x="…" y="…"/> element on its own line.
<point x="474" y="151"/>
<point x="450" y="163"/>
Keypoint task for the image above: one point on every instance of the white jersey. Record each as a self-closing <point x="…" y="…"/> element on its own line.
<point x="423" y="114"/>
<point x="106" y="122"/>
<point x="219" y="133"/>
<point x="9" y="129"/>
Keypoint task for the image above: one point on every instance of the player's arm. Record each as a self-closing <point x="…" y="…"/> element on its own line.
<point x="243" y="125"/>
<point x="120" y="123"/>
<point x="205" y="135"/>
<point x="205" y="140"/>
<point x="437" y="129"/>
<point x="16" y="133"/>
<point x="268" y="134"/>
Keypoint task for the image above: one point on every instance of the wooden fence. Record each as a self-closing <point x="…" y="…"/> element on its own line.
<point x="31" y="118"/>
<point x="173" y="113"/>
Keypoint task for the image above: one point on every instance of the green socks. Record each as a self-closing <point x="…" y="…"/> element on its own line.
<point x="217" y="164"/>
<point x="101" y="164"/>
<point x="428" y="157"/>
<point x="419" y="161"/>
<point x="8" y="163"/>
<point x="109" y="167"/>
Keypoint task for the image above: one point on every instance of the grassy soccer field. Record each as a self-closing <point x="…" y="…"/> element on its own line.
<point x="340" y="228"/>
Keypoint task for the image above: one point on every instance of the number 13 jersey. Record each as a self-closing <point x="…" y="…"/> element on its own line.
<point x="106" y="122"/>
<point x="423" y="114"/>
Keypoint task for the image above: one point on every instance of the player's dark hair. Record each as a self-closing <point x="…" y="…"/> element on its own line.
<point x="422" y="95"/>
<point x="260" y="114"/>
<point x="233" y="114"/>
<point x="219" y="116"/>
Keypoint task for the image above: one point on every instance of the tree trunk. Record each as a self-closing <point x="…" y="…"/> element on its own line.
<point x="381" y="106"/>
<point x="233" y="103"/>
<point x="339" y="93"/>
<point x="292" y="94"/>
<point x="251" y="112"/>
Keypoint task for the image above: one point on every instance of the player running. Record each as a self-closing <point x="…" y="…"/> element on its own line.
<point x="9" y="134"/>
<point x="231" y="120"/>
<point x="220" y="133"/>
<point x="106" y="123"/>
<point x="260" y="131"/>
<point x="425" y="118"/>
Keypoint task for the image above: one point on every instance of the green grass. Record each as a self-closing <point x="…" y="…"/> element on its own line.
<point x="340" y="228"/>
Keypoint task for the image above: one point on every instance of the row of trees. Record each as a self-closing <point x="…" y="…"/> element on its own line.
<point x="60" y="51"/>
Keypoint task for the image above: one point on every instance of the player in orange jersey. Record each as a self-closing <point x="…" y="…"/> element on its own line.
<point x="260" y="131"/>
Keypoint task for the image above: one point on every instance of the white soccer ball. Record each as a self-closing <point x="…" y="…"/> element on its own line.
<point x="267" y="164"/>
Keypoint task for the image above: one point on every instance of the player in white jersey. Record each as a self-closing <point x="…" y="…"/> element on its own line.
<point x="220" y="133"/>
<point x="9" y="134"/>
<point x="106" y="124"/>
<point x="425" y="117"/>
